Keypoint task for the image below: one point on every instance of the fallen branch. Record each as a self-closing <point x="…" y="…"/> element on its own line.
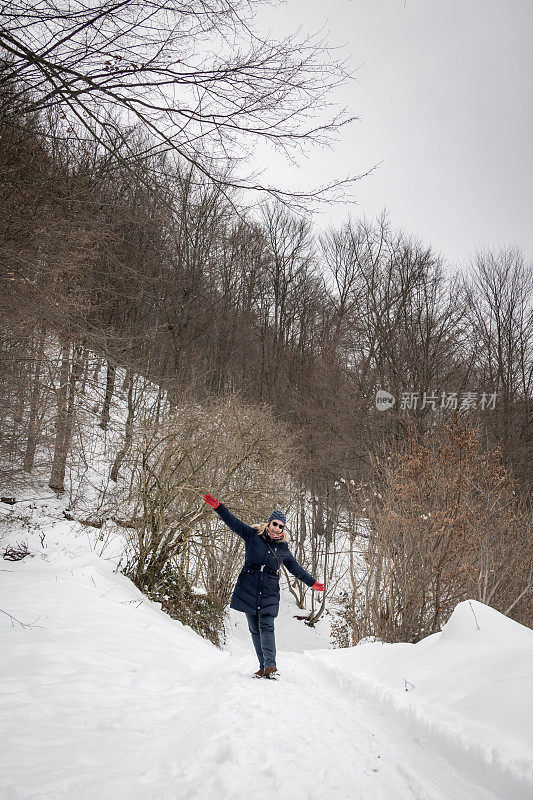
<point x="15" y="620"/>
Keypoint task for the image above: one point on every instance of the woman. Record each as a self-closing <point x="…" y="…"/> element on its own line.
<point x="256" y="592"/>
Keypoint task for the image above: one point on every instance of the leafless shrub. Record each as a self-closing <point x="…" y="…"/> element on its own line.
<point x="445" y="524"/>
<point x="229" y="447"/>
<point x="16" y="552"/>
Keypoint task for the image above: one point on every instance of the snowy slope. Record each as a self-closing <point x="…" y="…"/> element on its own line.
<point x="467" y="690"/>
<point x="104" y="697"/>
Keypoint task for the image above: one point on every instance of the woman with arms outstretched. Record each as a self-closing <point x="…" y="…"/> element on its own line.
<point x="256" y="592"/>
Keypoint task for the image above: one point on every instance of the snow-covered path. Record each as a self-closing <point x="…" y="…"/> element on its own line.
<point x="300" y="737"/>
<point x="104" y="697"/>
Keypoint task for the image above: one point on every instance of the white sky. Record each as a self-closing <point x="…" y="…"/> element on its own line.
<point x="444" y="94"/>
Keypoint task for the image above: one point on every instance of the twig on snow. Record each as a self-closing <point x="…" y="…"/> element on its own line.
<point x="15" y="620"/>
<point x="474" y="613"/>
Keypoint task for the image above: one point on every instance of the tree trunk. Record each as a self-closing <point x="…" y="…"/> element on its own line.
<point x="31" y="442"/>
<point x="129" y="433"/>
<point x="110" y="385"/>
<point x="65" y="413"/>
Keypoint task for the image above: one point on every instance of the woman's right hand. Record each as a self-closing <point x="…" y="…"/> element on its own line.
<point x="212" y="501"/>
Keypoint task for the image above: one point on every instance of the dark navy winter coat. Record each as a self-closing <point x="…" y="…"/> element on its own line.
<point x="256" y="590"/>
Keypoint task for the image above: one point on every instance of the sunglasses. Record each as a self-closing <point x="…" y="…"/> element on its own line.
<point x="279" y="525"/>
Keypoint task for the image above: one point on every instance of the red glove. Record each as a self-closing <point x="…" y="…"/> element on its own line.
<point x="212" y="501"/>
<point x="318" y="586"/>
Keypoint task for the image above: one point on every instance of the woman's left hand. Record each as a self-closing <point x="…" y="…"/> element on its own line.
<point x="318" y="586"/>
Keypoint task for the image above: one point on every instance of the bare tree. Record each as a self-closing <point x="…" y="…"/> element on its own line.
<point x="70" y="373"/>
<point x="499" y="294"/>
<point x="194" y="75"/>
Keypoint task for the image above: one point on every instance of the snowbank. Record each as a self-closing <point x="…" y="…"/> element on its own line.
<point x="91" y="672"/>
<point x="468" y="690"/>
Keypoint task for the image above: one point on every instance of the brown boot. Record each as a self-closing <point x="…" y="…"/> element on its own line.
<point x="271" y="673"/>
<point x="260" y="673"/>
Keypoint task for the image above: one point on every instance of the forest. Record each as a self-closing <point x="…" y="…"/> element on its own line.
<point x="170" y="326"/>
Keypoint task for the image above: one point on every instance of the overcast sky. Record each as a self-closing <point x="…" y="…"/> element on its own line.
<point x="444" y="93"/>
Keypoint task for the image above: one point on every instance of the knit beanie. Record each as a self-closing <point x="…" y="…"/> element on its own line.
<point x="278" y="515"/>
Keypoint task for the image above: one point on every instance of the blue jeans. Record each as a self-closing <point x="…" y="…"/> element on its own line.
<point x="261" y="626"/>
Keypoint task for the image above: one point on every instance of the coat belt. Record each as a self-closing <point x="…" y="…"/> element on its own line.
<point x="260" y="568"/>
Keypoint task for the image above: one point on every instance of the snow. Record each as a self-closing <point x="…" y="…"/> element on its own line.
<point x="104" y="697"/>
<point x="467" y="689"/>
